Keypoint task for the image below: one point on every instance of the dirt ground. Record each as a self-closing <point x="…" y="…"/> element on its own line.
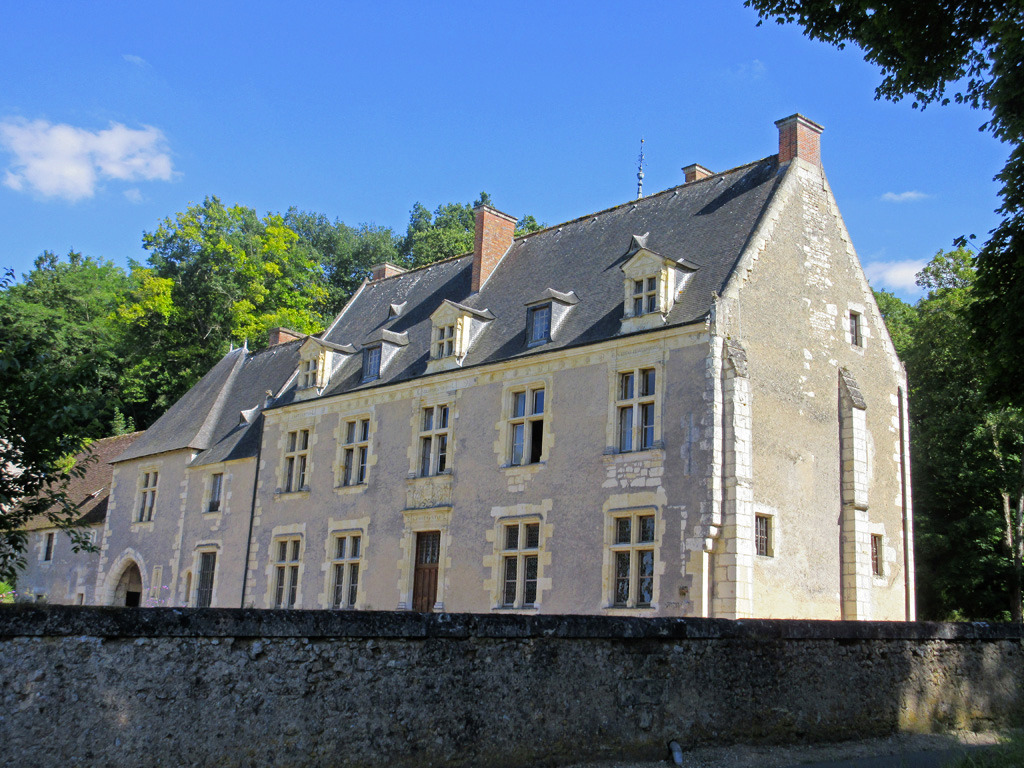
<point x="741" y="756"/>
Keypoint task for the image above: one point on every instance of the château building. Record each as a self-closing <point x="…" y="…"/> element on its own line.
<point x="685" y="405"/>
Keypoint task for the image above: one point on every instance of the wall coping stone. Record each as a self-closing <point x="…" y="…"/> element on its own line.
<point x="34" y="620"/>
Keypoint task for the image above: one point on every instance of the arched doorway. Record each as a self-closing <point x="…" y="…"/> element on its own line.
<point x="129" y="587"/>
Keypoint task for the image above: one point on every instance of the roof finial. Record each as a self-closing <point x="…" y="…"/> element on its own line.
<point x="640" y="171"/>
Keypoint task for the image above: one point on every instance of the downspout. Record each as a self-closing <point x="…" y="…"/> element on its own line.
<point x="252" y="512"/>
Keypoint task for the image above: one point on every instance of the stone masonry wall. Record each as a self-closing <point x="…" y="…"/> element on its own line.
<point x="178" y="687"/>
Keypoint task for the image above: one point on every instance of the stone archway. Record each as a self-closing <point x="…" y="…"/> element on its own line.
<point x="128" y="591"/>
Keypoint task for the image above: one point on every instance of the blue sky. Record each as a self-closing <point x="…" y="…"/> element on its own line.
<point x="116" y="115"/>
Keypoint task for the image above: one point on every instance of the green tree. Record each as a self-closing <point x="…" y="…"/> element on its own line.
<point x="216" y="276"/>
<point x="67" y="304"/>
<point x="900" y="319"/>
<point x="968" y="490"/>
<point x="43" y="405"/>
<point x="972" y="53"/>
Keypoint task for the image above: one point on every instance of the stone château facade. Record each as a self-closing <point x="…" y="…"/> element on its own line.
<point x="685" y="405"/>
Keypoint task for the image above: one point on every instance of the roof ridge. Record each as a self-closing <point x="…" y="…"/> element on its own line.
<point x="421" y="267"/>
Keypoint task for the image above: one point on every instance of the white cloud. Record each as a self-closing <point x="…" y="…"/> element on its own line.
<point x="60" y="160"/>
<point x="895" y="275"/>
<point x="134" y="195"/>
<point x="910" y="196"/>
<point x="138" y="61"/>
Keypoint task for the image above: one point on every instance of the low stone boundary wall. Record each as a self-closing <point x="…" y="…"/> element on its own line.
<point x="214" y="687"/>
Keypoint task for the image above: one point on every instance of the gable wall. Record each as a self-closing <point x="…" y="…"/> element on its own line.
<point x="790" y="313"/>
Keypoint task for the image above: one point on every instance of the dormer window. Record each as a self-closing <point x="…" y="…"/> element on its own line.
<point x="539" y="324"/>
<point x="308" y="373"/>
<point x="371" y="363"/>
<point x="645" y="296"/>
<point x="318" y="359"/>
<point x="444" y="341"/>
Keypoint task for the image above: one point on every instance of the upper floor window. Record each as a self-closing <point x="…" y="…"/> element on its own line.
<point x="519" y="564"/>
<point x="48" y="547"/>
<point x="763" y="535"/>
<point x="347" y="551"/>
<point x="526" y="426"/>
<point x="216" y="490"/>
<point x="633" y="560"/>
<point x="645" y="296"/>
<point x="148" y="500"/>
<point x="636" y="412"/>
<point x="876" y="555"/>
<point x="371" y="363"/>
<point x="434" y="440"/>
<point x="539" y="324"/>
<point x="286" y="572"/>
<point x="856" y="334"/>
<point x="295" y="460"/>
<point x="444" y="341"/>
<point x="355" y="452"/>
<point x="308" y="373"/>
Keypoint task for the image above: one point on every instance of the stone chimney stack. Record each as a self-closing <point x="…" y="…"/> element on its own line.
<point x="494" y="234"/>
<point x="799" y="137"/>
<point x="695" y="172"/>
<point x="281" y="335"/>
<point x="380" y="271"/>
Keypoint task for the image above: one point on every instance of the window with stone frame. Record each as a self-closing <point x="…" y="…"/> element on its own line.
<point x="48" y="547"/>
<point x="355" y="451"/>
<point x="147" y="501"/>
<point x="444" y="341"/>
<point x="635" y="408"/>
<point x="632" y="552"/>
<point x="645" y="296"/>
<point x="526" y="426"/>
<point x="216" y="491"/>
<point x="519" y="563"/>
<point x="434" y="440"/>
<point x="204" y="589"/>
<point x="296" y="459"/>
<point x="763" y="544"/>
<point x="856" y="333"/>
<point x="538" y="322"/>
<point x="876" y="555"/>
<point x="288" y="551"/>
<point x="309" y="373"/>
<point x="345" y="566"/>
<point x="371" y="363"/>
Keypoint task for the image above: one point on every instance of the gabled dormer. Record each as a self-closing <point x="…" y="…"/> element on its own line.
<point x="545" y="314"/>
<point x="379" y="349"/>
<point x="318" y="359"/>
<point x="652" y="284"/>
<point x="453" y="329"/>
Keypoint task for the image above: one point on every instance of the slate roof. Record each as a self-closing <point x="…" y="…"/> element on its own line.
<point x="92" y="491"/>
<point x="706" y="223"/>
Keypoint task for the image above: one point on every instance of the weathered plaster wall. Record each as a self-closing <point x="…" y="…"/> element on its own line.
<point x="68" y="578"/>
<point x="156" y="687"/>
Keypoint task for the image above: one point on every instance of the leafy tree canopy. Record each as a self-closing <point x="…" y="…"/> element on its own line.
<point x="969" y="52"/>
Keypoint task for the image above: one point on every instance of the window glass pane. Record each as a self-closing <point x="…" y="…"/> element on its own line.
<point x="646" y="425"/>
<point x="647" y="382"/>
<point x="292" y="437"/>
<point x="638" y="306"/>
<point x="626" y="386"/>
<point x="652" y="283"/>
<point x="621" y="578"/>
<point x="512" y="536"/>
<point x="355" y="546"/>
<point x="425" y="456"/>
<point x="645" y="584"/>
<point x="350" y="432"/>
<point x="295" y="550"/>
<point x="300" y="479"/>
<point x="536" y="440"/>
<point x="538" y="401"/>
<point x="442" y="452"/>
<point x="428" y="419"/>
<point x="353" y="583"/>
<point x="339" y="585"/>
<point x="532" y="535"/>
<point x="518" y="434"/>
<point x="511" y="566"/>
<point x="361" y="475"/>
<point x="442" y="417"/>
<point x="156" y="475"/>
<point x="626" y="429"/>
<point x="282" y="551"/>
<point x="340" y="554"/>
<point x="518" y="405"/>
<point x="364" y="430"/>
<point x="646" y="528"/>
<point x="638" y="286"/>
<point x="622" y="530"/>
<point x="530" y="583"/>
<point x="304" y="439"/>
<point x="652" y="302"/>
<point x="347" y="479"/>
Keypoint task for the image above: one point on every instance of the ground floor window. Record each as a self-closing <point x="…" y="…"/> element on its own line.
<point x="347" y="552"/>
<point x="632" y="551"/>
<point x="286" y="584"/>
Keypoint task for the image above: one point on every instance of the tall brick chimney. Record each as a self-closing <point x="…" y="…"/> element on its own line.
<point x="695" y="172"/>
<point x="494" y="234"/>
<point x="799" y="137"/>
<point x="280" y="335"/>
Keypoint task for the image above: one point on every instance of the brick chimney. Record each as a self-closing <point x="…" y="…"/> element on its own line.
<point x="799" y="137"/>
<point x="695" y="172"/>
<point x="380" y="271"/>
<point x="494" y="234"/>
<point x="281" y="335"/>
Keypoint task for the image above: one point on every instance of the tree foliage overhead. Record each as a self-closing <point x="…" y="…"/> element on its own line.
<point x="969" y="52"/>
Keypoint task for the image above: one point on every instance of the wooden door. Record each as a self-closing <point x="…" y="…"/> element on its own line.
<point x="424" y="582"/>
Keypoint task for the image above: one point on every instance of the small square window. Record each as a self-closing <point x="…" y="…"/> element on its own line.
<point x="539" y="322"/>
<point x="645" y="296"/>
